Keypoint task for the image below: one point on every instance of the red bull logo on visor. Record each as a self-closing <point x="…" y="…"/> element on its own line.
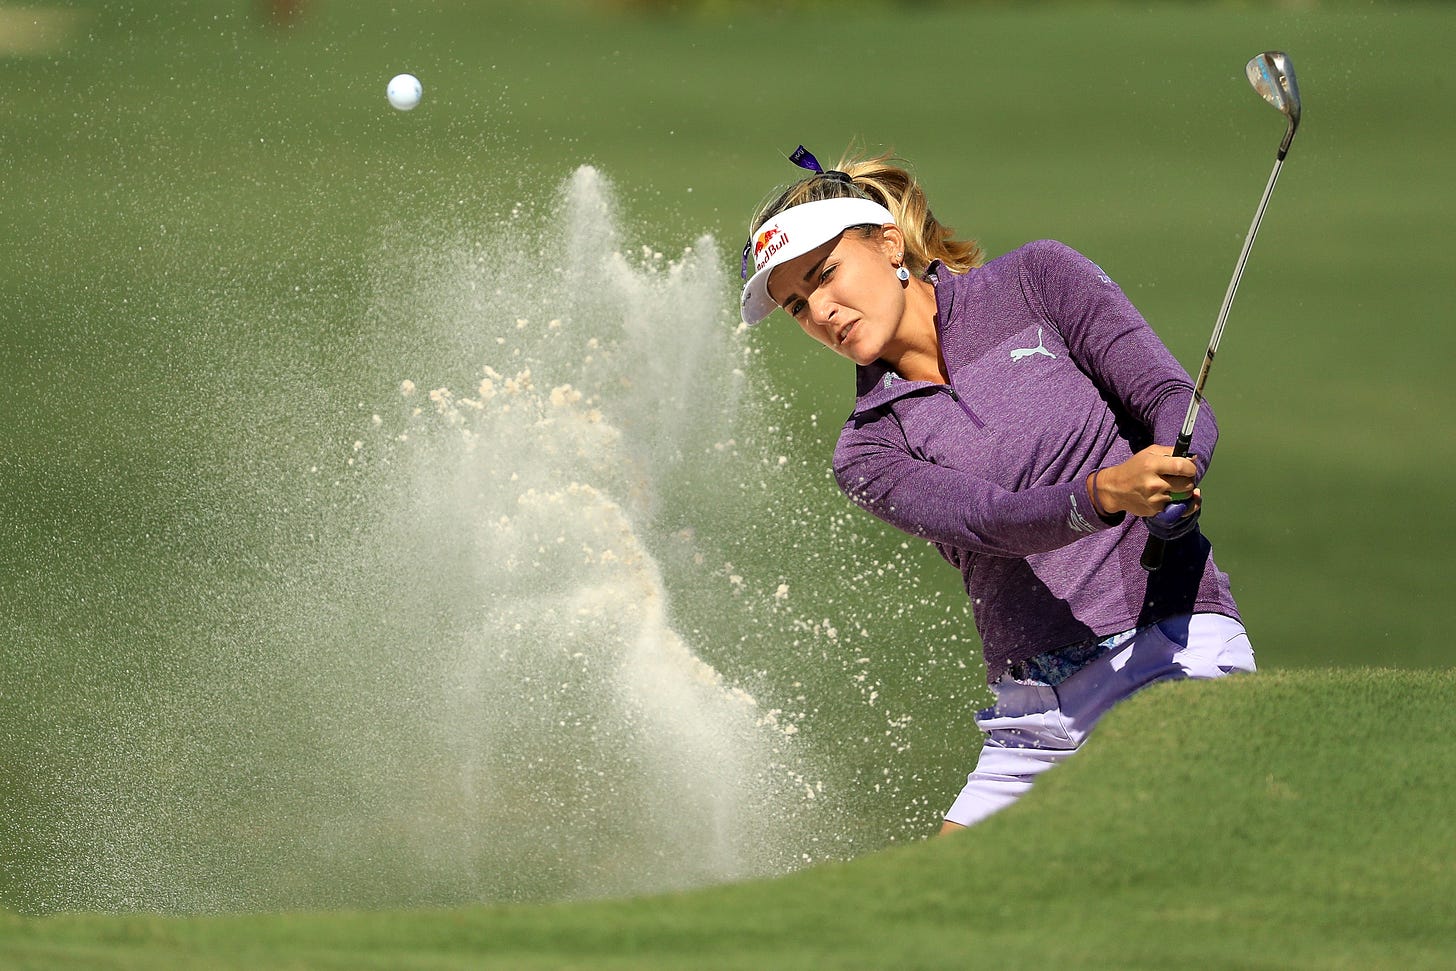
<point x="769" y="242"/>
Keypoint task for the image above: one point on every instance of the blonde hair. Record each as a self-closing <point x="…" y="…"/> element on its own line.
<point x="892" y="186"/>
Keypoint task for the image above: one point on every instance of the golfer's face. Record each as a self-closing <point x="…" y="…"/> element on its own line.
<point x="844" y="294"/>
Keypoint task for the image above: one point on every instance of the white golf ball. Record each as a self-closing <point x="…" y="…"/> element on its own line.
<point x="404" y="91"/>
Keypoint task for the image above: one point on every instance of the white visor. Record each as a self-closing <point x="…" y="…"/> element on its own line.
<point x="794" y="232"/>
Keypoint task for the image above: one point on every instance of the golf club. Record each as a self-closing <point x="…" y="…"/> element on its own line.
<point x="1272" y="75"/>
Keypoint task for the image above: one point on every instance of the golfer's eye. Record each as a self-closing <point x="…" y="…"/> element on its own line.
<point x="797" y="307"/>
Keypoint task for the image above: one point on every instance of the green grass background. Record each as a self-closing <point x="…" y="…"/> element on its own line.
<point x="168" y="160"/>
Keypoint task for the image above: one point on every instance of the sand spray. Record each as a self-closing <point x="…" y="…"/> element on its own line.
<point x="481" y="639"/>
<point x="462" y="681"/>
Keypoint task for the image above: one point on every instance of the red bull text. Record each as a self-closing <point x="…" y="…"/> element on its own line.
<point x="769" y="242"/>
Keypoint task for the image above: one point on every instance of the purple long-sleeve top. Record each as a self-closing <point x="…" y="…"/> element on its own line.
<point x="1053" y="374"/>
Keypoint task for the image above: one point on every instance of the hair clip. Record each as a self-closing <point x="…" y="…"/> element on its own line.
<point x="804" y="160"/>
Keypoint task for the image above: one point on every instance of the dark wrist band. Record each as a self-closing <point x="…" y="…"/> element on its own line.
<point x="1092" y="494"/>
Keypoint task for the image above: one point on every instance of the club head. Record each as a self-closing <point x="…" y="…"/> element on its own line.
<point x="1272" y="75"/>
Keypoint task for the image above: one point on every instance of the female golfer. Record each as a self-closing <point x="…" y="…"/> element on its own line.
<point x="1014" y="414"/>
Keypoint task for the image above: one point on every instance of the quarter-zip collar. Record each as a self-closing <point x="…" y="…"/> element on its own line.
<point x="878" y="385"/>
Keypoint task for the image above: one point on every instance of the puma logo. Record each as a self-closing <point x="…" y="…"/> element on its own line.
<point x="1040" y="348"/>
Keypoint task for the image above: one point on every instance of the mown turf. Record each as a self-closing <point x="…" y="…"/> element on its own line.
<point x="1288" y="820"/>
<point x="194" y="202"/>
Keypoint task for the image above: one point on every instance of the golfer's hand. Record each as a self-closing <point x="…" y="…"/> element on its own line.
<point x="1145" y="483"/>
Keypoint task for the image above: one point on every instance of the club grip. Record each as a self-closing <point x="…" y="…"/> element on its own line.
<point x="1152" y="554"/>
<point x="1153" y="550"/>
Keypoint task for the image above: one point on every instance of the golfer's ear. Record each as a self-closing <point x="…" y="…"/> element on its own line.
<point x="893" y="240"/>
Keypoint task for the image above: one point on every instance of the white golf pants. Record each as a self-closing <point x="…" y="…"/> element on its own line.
<point x="1033" y="726"/>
